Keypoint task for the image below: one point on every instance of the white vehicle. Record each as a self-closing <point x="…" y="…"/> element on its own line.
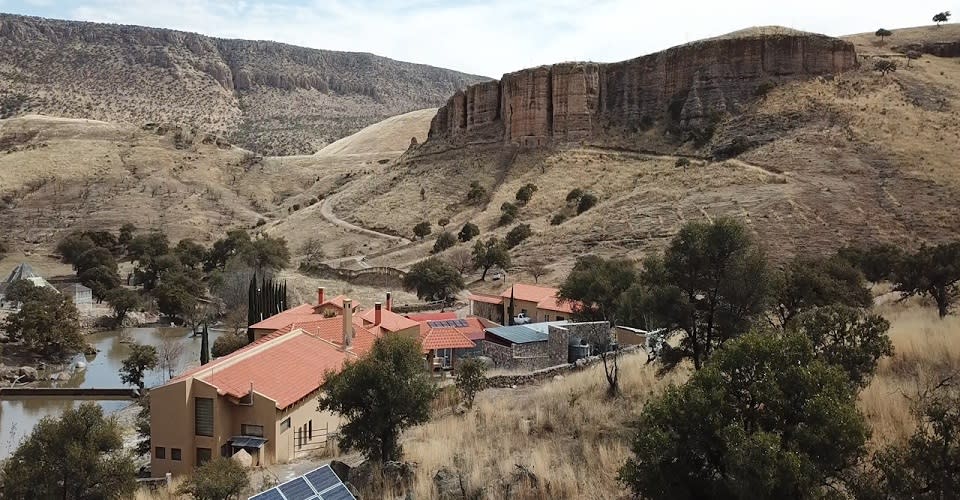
<point x="521" y="319"/>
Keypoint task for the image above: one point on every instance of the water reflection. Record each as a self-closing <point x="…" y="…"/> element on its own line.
<point x="18" y="416"/>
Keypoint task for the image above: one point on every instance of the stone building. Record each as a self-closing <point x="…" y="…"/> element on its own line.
<point x="82" y="297"/>
<point x="540" y="345"/>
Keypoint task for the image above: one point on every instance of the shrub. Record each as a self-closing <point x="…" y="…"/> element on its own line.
<point x="682" y="162"/>
<point x="422" y="230"/>
<point x="470" y="380"/>
<point x="884" y="66"/>
<point x="764" y="88"/>
<point x="508" y="213"/>
<point x="517" y="235"/>
<point x="469" y="231"/>
<point x="525" y="193"/>
<point x="574" y="195"/>
<point x="558" y="219"/>
<point x="444" y="241"/>
<point x="587" y="201"/>
<point x="220" y="478"/>
<point x="476" y="194"/>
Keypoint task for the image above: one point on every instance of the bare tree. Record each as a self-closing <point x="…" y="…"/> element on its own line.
<point x="538" y="270"/>
<point x="461" y="259"/>
<point x="170" y="353"/>
<point x="312" y="250"/>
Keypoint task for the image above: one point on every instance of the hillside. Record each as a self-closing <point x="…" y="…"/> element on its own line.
<point x="267" y="97"/>
<point x="811" y="161"/>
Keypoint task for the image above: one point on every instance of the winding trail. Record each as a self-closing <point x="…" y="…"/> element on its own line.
<point x="327" y="213"/>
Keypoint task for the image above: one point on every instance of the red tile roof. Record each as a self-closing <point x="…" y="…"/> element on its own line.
<point x="389" y="320"/>
<point x="544" y="296"/>
<point x="286" y="365"/>
<point x="303" y="312"/>
<point x="489" y="299"/>
<point x="554" y="304"/>
<point x="444" y="338"/>
<point x="434" y="316"/>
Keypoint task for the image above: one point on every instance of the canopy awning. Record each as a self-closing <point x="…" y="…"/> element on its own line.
<point x="247" y="441"/>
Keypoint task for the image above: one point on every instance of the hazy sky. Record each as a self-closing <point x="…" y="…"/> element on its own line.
<point x="490" y="37"/>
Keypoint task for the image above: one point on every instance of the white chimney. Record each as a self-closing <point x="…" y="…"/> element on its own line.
<point x="320" y="295"/>
<point x="377" y="313"/>
<point x="347" y="323"/>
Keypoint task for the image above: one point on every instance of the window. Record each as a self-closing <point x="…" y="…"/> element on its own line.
<point x="251" y="430"/>
<point x="175" y="454"/>
<point x="160" y="452"/>
<point x="203" y="416"/>
<point x="445" y="356"/>
<point x="559" y="318"/>
<point x="285" y="424"/>
<point x="310" y="430"/>
<point x="203" y="455"/>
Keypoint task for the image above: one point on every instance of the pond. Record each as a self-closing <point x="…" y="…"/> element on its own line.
<point x="19" y="416"/>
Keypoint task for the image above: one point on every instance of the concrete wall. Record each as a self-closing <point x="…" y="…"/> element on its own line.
<point x="300" y="415"/>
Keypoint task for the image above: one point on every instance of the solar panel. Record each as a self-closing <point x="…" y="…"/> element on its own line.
<point x="297" y="489"/>
<point x="340" y="492"/>
<point x="322" y="478"/>
<point x="271" y="494"/>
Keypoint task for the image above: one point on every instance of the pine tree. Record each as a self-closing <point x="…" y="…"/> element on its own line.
<point x="205" y="346"/>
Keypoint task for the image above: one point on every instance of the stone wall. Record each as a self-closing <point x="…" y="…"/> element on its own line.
<point x="539" y="375"/>
<point x="687" y="85"/>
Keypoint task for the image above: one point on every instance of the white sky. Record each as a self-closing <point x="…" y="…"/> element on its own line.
<point x="492" y="37"/>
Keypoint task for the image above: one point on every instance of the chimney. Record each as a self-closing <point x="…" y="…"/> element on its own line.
<point x="377" y="313"/>
<point x="320" y="297"/>
<point x="389" y="301"/>
<point x="347" y="323"/>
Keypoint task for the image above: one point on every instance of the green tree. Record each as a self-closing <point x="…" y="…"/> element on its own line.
<point x="941" y="17"/>
<point x="78" y="456"/>
<point x="73" y="245"/>
<point x="476" y="194"/>
<point x="883" y="33"/>
<point x="190" y="253"/>
<point x="596" y="287"/>
<point x="710" y="284"/>
<point x="142" y="425"/>
<point x="225" y="248"/>
<point x="422" y="230"/>
<point x="146" y="246"/>
<point x="219" y="479"/>
<point x="765" y="418"/>
<point x="927" y="466"/>
<point x="100" y="280"/>
<point x="468" y="232"/>
<point x="47" y="322"/>
<point x="126" y="235"/>
<point x="444" y="241"/>
<point x="227" y="343"/>
<point x="433" y="279"/>
<point x="884" y="66"/>
<point x="178" y="293"/>
<point x="806" y="282"/>
<point x="205" y="345"/>
<point x="122" y="300"/>
<point x="95" y="257"/>
<point x="848" y="338"/>
<point x="877" y="262"/>
<point x="508" y="213"/>
<point x="931" y="271"/>
<point x="142" y="358"/>
<point x="492" y="252"/>
<point x="470" y="379"/>
<point x="587" y="201"/>
<point x="266" y="253"/>
<point x="379" y="395"/>
<point x="517" y="235"/>
<point x="525" y="193"/>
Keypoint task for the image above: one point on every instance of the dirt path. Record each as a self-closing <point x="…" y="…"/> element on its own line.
<point x="327" y="213"/>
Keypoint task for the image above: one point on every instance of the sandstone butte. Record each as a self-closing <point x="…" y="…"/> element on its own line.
<point x="688" y="85"/>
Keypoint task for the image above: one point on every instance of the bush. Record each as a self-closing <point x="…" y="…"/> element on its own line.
<point x="682" y="162"/>
<point x="476" y="194"/>
<point x="517" y="235"/>
<point x="574" y="195"/>
<point x="220" y="478"/>
<point x="508" y="213"/>
<point x="558" y="219"/>
<point x="422" y="230"/>
<point x="470" y="380"/>
<point x="227" y="343"/>
<point x="525" y="193"/>
<point x="884" y="66"/>
<point x="764" y="88"/>
<point x="587" y="201"/>
<point x="444" y="241"/>
<point x="469" y="231"/>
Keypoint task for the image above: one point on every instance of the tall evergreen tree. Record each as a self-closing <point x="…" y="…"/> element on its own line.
<point x="205" y="346"/>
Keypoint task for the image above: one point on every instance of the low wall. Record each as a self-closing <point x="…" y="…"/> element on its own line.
<point x="537" y="376"/>
<point x="386" y="277"/>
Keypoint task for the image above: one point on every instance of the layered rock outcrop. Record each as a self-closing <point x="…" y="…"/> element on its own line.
<point x="689" y="86"/>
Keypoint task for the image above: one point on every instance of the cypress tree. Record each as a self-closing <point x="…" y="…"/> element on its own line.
<point x="205" y="346"/>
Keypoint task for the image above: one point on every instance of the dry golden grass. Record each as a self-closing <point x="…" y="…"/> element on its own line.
<point x="566" y="432"/>
<point x="926" y="347"/>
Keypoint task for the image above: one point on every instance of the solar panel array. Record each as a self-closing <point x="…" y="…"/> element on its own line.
<point x="319" y="484"/>
<point x="449" y="323"/>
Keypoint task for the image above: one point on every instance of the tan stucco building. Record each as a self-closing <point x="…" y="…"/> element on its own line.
<point x="262" y="398"/>
<point x="539" y="303"/>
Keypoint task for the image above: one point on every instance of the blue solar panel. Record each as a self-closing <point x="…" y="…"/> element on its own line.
<point x="271" y="494"/>
<point x="297" y="489"/>
<point x="322" y="478"/>
<point x="340" y="492"/>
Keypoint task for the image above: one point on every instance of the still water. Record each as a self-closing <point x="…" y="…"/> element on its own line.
<point x="18" y="416"/>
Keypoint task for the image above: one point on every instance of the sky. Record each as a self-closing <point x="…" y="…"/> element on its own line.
<point x="490" y="37"/>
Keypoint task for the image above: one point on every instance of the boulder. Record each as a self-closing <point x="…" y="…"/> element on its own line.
<point x="243" y="458"/>
<point x="28" y="374"/>
<point x="447" y="483"/>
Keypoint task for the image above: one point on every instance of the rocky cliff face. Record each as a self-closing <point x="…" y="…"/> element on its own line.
<point x="687" y="86"/>
<point x="267" y="96"/>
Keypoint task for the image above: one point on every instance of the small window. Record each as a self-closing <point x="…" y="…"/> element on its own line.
<point x="203" y="416"/>
<point x="251" y="430"/>
<point x="310" y="430"/>
<point x="285" y="424"/>
<point x="175" y="454"/>
<point x="160" y="452"/>
<point x="204" y="455"/>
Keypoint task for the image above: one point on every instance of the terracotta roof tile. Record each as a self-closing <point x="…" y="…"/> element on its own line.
<point x="434" y="316"/>
<point x="488" y="299"/>
<point x="554" y="304"/>
<point x="389" y="320"/>
<point x="529" y="293"/>
<point x="445" y="338"/>
<point x="303" y="312"/>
